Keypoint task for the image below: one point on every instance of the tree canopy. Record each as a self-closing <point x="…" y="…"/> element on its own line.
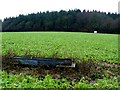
<point x="69" y="21"/>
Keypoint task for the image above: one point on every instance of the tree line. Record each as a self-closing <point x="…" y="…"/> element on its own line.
<point x="68" y="21"/>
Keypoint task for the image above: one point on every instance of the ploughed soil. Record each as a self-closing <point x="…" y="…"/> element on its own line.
<point x="88" y="69"/>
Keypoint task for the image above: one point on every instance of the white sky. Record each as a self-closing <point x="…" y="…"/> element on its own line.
<point x="10" y="8"/>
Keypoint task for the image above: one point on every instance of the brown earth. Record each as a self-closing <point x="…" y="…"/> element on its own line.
<point x="90" y="70"/>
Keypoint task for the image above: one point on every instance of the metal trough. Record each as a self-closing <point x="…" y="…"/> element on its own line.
<point x="44" y="61"/>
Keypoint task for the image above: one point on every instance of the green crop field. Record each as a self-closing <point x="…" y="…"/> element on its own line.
<point x="78" y="46"/>
<point x="25" y="81"/>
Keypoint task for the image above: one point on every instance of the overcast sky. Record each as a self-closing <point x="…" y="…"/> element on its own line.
<point x="10" y="8"/>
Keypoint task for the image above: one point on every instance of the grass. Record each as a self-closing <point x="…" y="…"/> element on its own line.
<point x="78" y="46"/>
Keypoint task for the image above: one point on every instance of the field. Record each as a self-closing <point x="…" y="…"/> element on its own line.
<point x="78" y="46"/>
<point x="96" y="56"/>
<point x="24" y="81"/>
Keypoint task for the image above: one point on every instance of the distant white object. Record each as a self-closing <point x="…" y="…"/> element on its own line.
<point x="95" y="31"/>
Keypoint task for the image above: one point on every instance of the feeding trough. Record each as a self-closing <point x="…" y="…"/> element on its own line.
<point x="52" y="62"/>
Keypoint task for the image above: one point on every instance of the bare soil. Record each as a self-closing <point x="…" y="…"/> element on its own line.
<point x="90" y="70"/>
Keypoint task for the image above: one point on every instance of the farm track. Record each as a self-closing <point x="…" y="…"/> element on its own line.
<point x="88" y="69"/>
